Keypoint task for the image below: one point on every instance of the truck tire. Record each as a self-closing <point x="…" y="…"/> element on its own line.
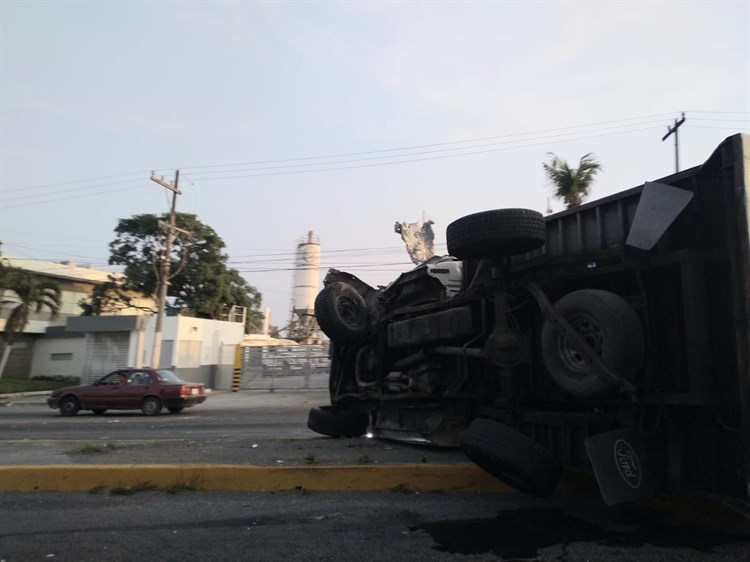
<point x="511" y="456"/>
<point x="342" y="313"/>
<point x="495" y="234"/>
<point x="612" y="329"/>
<point x="326" y="421"/>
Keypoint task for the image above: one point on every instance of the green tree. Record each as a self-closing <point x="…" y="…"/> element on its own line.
<point x="32" y="294"/>
<point x="199" y="277"/>
<point x="571" y="185"/>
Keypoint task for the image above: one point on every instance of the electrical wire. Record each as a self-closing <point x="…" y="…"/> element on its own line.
<point x="339" y="155"/>
<point x="315" y="164"/>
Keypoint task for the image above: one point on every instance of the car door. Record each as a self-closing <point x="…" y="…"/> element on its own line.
<point x="139" y="385"/>
<point x="103" y="393"/>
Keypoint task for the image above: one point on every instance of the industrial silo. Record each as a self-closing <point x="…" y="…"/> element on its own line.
<point x="302" y="325"/>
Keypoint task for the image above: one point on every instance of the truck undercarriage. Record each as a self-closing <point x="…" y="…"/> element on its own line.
<point x="611" y="338"/>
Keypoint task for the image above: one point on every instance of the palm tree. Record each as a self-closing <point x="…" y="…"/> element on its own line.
<point x="571" y="185"/>
<point x="32" y="294"/>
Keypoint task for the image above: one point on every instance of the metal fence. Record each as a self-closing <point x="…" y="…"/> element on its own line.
<point x="287" y="367"/>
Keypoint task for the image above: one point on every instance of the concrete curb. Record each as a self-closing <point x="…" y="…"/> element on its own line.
<point x="25" y="394"/>
<point x="404" y="477"/>
<point x="414" y="477"/>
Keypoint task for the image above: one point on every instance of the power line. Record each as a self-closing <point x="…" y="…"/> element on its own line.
<point x="78" y="181"/>
<point x="13" y="206"/>
<point x="445" y="156"/>
<point x="284" y="170"/>
<point x="132" y="183"/>
<point x="481" y="139"/>
<point x="299" y="159"/>
<point x="195" y="176"/>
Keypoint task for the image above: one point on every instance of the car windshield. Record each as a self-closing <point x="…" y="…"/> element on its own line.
<point x="165" y="375"/>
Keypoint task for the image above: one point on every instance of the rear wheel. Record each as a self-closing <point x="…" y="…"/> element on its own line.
<point x="511" y="456"/>
<point x="69" y="406"/>
<point x="613" y="331"/>
<point x="174" y="410"/>
<point x="326" y="421"/>
<point x="151" y="406"/>
<point x="98" y="411"/>
<point x="495" y="234"/>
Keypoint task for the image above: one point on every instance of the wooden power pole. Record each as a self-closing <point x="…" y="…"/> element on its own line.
<point x="166" y="260"/>
<point x="671" y="130"/>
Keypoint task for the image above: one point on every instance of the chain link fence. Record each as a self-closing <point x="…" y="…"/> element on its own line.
<point x="284" y="367"/>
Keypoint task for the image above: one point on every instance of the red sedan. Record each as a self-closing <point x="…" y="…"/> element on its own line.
<point x="149" y="390"/>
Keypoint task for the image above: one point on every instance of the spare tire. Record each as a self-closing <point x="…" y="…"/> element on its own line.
<point x="495" y="234"/>
<point x="327" y="421"/>
<point x="341" y="313"/>
<point x="611" y="328"/>
<point x="511" y="456"/>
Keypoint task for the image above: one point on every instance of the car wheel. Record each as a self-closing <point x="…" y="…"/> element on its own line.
<point x="511" y="456"/>
<point x="327" y="421"/>
<point x="69" y="406"/>
<point x="341" y="313"/>
<point x="495" y="234"/>
<point x="98" y="411"/>
<point x="151" y="406"/>
<point x="611" y="328"/>
<point x="175" y="410"/>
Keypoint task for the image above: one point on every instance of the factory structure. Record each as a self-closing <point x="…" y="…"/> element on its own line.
<point x="302" y="327"/>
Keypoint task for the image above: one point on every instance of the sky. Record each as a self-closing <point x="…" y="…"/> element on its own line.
<point x="343" y="118"/>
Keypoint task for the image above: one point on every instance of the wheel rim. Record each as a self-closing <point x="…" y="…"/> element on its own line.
<point x="151" y="406"/>
<point x="348" y="311"/>
<point x="591" y="333"/>
<point x="68" y="406"/>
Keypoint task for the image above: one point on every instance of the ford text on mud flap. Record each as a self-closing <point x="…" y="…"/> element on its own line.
<point x="610" y="338"/>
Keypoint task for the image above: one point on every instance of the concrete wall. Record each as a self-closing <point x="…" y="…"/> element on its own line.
<point x="58" y="356"/>
<point x="197" y="349"/>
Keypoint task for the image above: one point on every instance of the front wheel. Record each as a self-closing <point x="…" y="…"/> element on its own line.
<point x="327" y="421"/>
<point x="511" y="456"/>
<point x="151" y="406"/>
<point x="69" y="406"/>
<point x="341" y="313"/>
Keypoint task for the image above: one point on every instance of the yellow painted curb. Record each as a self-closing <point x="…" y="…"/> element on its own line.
<point x="414" y="477"/>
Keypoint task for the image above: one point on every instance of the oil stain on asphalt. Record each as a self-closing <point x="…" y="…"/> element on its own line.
<point x="521" y="534"/>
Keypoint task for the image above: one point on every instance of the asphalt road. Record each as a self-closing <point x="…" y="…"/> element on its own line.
<point x="249" y="427"/>
<point x="249" y="413"/>
<point x="269" y="428"/>
<point x="372" y="527"/>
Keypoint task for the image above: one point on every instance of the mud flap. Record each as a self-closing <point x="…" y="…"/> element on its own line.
<point x="623" y="465"/>
<point x="659" y="206"/>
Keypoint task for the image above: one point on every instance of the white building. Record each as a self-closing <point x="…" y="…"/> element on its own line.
<point x="200" y="350"/>
<point x="76" y="284"/>
<point x="88" y="347"/>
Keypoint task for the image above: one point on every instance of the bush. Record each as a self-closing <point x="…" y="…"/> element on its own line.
<point x="57" y="378"/>
<point x="10" y="386"/>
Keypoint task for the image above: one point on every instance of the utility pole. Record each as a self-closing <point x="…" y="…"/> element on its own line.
<point x="166" y="259"/>
<point x="671" y="130"/>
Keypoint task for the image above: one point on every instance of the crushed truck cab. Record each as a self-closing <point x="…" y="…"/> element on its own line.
<point x="610" y="338"/>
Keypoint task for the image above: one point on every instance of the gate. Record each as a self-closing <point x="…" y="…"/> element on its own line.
<point x="283" y="367"/>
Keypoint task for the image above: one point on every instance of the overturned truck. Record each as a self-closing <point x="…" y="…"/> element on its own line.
<point x="611" y="338"/>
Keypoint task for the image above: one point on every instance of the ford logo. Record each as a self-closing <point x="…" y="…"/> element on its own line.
<point x="627" y="463"/>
